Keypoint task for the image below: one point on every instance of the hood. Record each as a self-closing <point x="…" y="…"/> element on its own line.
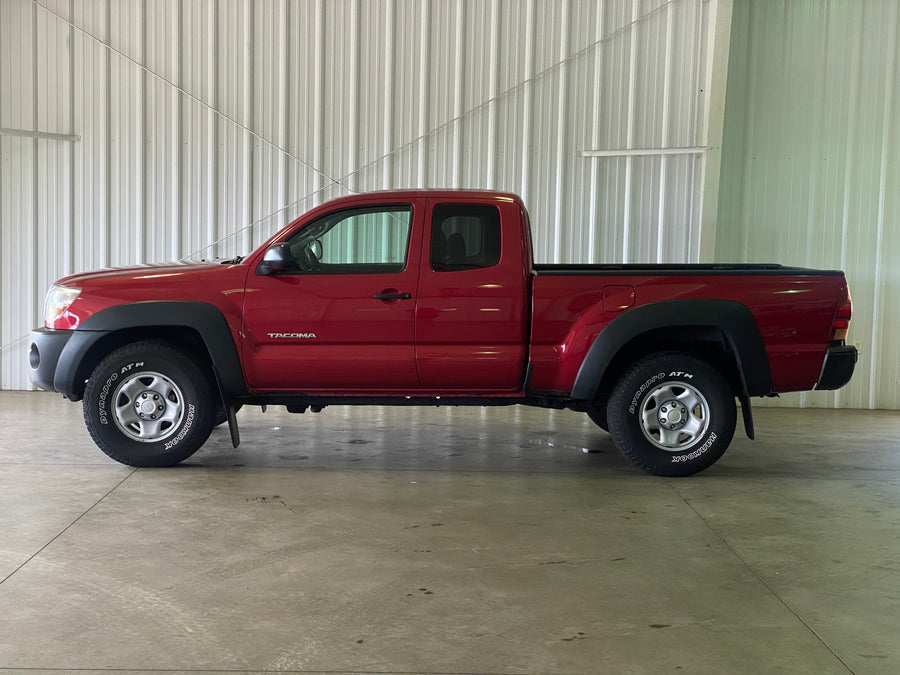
<point x="209" y="282"/>
<point x="138" y="272"/>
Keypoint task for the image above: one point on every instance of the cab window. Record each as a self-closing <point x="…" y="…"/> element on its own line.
<point x="371" y="240"/>
<point x="464" y="237"/>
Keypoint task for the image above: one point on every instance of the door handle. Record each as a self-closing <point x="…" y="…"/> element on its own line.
<point x="385" y="295"/>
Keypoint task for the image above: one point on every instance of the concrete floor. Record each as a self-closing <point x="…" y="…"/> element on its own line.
<point x="448" y="541"/>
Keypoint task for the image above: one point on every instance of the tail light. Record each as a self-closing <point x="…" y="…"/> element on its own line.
<point x="841" y="323"/>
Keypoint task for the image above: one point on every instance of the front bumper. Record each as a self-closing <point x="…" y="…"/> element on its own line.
<point x="838" y="367"/>
<point x="45" y="348"/>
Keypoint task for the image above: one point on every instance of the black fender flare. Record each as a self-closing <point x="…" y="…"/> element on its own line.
<point x="733" y="319"/>
<point x="203" y="318"/>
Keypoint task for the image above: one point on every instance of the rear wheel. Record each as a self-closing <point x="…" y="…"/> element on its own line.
<point x="672" y="414"/>
<point x="147" y="404"/>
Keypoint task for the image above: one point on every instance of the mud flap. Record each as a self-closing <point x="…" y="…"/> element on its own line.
<point x="233" y="425"/>
<point x="746" y="412"/>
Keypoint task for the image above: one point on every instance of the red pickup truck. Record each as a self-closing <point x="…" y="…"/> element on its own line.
<point x="432" y="298"/>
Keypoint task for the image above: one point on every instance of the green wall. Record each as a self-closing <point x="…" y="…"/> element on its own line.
<point x="810" y="172"/>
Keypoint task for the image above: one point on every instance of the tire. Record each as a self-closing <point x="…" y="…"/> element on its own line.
<point x="148" y="405"/>
<point x="597" y="413"/>
<point x="672" y="414"/>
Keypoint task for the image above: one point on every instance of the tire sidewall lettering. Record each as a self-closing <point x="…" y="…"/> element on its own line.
<point x="675" y="374"/>
<point x="633" y="407"/>
<point x="105" y="392"/>
<point x="185" y="429"/>
<point x="695" y="454"/>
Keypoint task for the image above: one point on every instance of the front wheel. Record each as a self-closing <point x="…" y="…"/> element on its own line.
<point x="672" y="414"/>
<point x="148" y="405"/>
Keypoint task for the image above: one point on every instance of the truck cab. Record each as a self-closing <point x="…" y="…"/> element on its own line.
<point x="391" y="293"/>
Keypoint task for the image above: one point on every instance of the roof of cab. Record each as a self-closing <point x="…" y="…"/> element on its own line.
<point x="419" y="193"/>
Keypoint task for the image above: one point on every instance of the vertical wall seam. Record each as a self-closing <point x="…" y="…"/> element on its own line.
<point x="216" y="227"/>
<point x="354" y="85"/>
<point x="36" y="178"/>
<point x="785" y="140"/>
<point x="424" y="92"/>
<point x="456" y="131"/>
<point x="107" y="111"/>
<point x="748" y="149"/>
<point x="287" y="90"/>
<point x="875" y="360"/>
<point x="818" y="134"/>
<point x="562" y="120"/>
<point x="389" y="59"/>
<point x="251" y="122"/>
<point x="664" y="161"/>
<point x="493" y="92"/>
<point x="246" y="138"/>
<point x="629" y="139"/>
<point x="856" y="78"/>
<point x="698" y="109"/>
<point x="2" y="276"/>
<point x="70" y="262"/>
<point x="178" y="179"/>
<point x="854" y="103"/>
<point x="528" y="108"/>
<point x="595" y="135"/>
<point x="143" y="143"/>
<point x="319" y="101"/>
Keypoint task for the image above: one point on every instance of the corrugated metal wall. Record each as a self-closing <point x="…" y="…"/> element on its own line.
<point x="811" y="164"/>
<point x="203" y="126"/>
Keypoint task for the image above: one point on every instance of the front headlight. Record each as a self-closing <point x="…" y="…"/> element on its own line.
<point x="59" y="299"/>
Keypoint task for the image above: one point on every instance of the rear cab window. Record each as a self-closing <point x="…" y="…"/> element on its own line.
<point x="464" y="237"/>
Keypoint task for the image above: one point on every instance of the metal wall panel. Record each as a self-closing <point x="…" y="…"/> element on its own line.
<point x="809" y="171"/>
<point x="19" y="175"/>
<point x="206" y="126"/>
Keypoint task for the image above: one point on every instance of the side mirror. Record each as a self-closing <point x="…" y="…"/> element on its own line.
<point x="278" y="259"/>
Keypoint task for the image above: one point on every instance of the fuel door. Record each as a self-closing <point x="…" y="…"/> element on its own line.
<point x="617" y="298"/>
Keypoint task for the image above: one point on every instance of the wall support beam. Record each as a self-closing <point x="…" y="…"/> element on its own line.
<point x="714" y="123"/>
<point x="42" y="135"/>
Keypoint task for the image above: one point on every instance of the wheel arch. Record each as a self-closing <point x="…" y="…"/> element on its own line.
<point x="197" y="327"/>
<point x="722" y="332"/>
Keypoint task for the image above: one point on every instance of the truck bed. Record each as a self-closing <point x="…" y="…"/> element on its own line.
<point x="574" y="301"/>
<point x="678" y="269"/>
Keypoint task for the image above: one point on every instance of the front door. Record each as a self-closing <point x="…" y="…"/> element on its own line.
<point x="341" y="317"/>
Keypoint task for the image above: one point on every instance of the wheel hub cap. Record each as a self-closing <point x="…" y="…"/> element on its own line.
<point x="672" y="415"/>
<point x="149" y="407"/>
<point x="150" y="404"/>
